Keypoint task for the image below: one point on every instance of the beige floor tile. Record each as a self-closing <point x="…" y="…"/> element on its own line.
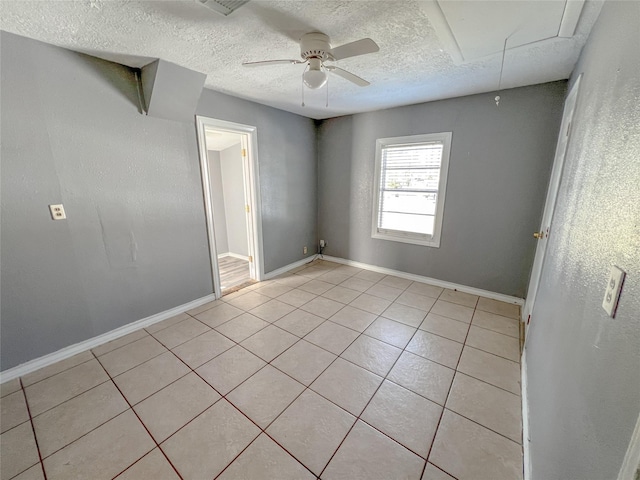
<point x="103" y="452"/>
<point x="299" y="322"/>
<point x="490" y="368"/>
<point x="272" y="289"/>
<point x="120" y="342"/>
<point x="12" y="386"/>
<point x="153" y="465"/>
<point x="33" y="473"/>
<point x="404" y="314"/>
<point x="425" y="289"/>
<point x="396" y="282"/>
<point x="230" y="369"/>
<point x="56" y="368"/>
<point x="384" y="291"/>
<point x="497" y="323"/>
<point x="445" y="327"/>
<point x="390" y="331"/>
<point x="156" y="327"/>
<point x="332" y="337"/>
<point x="371" y="304"/>
<point x="376" y="356"/>
<point x="265" y="395"/>
<point x="348" y="270"/>
<point x="131" y="355"/>
<point x="219" y="315"/>
<point x="311" y="271"/>
<point x="357" y="284"/>
<point x="341" y="294"/>
<point x="469" y="451"/>
<point x="490" y="406"/>
<point x="304" y="361"/>
<point x="265" y="459"/>
<point x="227" y="297"/>
<point x="322" y="307"/>
<point x="333" y="277"/>
<point x="19" y="452"/>
<point x="203" y="348"/>
<point x="249" y="301"/>
<point x="65" y="385"/>
<point x="434" y="473"/>
<point x="13" y="411"/>
<point x="171" y="408"/>
<point x="369" y="275"/>
<point x="422" y="376"/>
<point x="202" y="308"/>
<point x="347" y="385"/>
<point x="293" y="281"/>
<point x="149" y="377"/>
<point x="367" y="453"/>
<point x="181" y="332"/>
<point x="436" y="348"/>
<point x="461" y="298"/>
<point x="269" y="343"/>
<point x="297" y="297"/>
<point x="317" y="287"/>
<point x="493" y="342"/>
<point x="405" y="416"/>
<point x="58" y="427"/>
<point x="415" y="300"/>
<point x="453" y="310"/>
<point x="204" y="447"/>
<point x="499" y="308"/>
<point x="311" y="429"/>
<point x="241" y="327"/>
<point x="272" y="310"/>
<point x="353" y="318"/>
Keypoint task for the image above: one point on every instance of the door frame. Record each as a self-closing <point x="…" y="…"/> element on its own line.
<point x="249" y="144"/>
<point x="550" y="202"/>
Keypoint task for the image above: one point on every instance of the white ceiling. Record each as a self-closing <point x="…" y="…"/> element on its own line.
<point x="429" y="50"/>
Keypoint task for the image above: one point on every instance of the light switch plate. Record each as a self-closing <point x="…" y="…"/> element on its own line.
<point x="612" y="291"/>
<point x="57" y="212"/>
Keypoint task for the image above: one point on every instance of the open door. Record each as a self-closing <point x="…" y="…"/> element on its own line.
<point x="241" y="179"/>
<point x="542" y="235"/>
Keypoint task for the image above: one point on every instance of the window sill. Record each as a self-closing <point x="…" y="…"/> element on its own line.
<point x="430" y="242"/>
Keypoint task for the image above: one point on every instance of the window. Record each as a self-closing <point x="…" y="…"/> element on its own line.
<point x="411" y="176"/>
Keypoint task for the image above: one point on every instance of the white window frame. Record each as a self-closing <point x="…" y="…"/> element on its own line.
<point x="403" y="236"/>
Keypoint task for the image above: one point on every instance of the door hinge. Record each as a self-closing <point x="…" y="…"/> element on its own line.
<point x="250" y="258"/>
<point x="244" y="152"/>
<point x="246" y="208"/>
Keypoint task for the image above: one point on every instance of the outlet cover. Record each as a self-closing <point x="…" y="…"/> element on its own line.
<point x="57" y="212"/>
<point x="612" y="291"/>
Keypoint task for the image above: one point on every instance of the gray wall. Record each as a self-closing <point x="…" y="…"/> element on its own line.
<point x="217" y="199"/>
<point x="499" y="169"/>
<point x="233" y="191"/>
<point x="288" y="178"/>
<point x="584" y="367"/>
<point x="134" y="242"/>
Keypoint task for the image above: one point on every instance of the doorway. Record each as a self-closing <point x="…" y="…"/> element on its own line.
<point x="228" y="162"/>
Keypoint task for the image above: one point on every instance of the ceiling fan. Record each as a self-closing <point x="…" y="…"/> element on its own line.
<point x="315" y="50"/>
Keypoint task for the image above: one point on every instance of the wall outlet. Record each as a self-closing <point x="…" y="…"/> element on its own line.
<point x="304" y="250"/>
<point x="612" y="291"/>
<point x="57" y="212"/>
<point x="322" y="244"/>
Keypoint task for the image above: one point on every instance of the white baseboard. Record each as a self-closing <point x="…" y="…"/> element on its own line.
<point x="525" y="417"/>
<point x="234" y="255"/>
<point x="70" y="351"/>
<point x="286" y="268"/>
<point x="431" y="281"/>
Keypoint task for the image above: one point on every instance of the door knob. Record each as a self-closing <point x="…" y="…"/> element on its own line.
<point x="538" y="235"/>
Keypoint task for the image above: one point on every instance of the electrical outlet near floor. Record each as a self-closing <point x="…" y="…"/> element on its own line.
<point x="304" y="249"/>
<point x="612" y="291"/>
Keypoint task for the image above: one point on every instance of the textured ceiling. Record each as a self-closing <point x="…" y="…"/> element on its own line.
<point x="412" y="65"/>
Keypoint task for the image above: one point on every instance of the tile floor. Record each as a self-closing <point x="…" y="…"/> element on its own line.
<point x="329" y="372"/>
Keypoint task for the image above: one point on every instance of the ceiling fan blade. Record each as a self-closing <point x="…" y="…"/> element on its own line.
<point x="361" y="82"/>
<point x="271" y="62"/>
<point x="359" y="47"/>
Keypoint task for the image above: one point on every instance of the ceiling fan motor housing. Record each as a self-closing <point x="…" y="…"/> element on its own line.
<point x="315" y="45"/>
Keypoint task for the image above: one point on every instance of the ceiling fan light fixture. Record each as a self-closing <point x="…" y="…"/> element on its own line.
<point x="314" y="79"/>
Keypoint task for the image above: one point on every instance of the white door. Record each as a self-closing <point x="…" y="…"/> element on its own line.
<point x="542" y="235"/>
<point x="249" y="203"/>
